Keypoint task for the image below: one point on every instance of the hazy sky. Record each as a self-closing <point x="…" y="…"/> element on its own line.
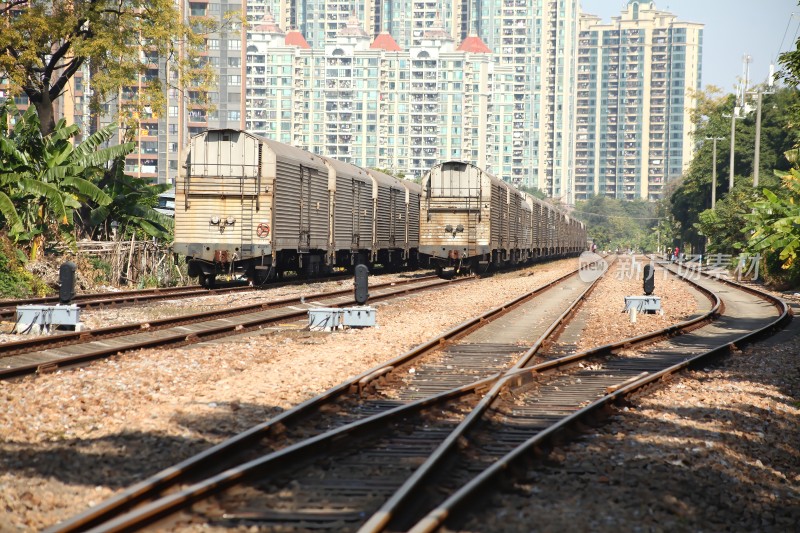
<point x="733" y="28"/>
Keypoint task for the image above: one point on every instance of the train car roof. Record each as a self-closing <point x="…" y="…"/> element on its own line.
<point x="346" y="169"/>
<point x="284" y="151"/>
<point x="385" y="179"/>
<point x="492" y="177"/>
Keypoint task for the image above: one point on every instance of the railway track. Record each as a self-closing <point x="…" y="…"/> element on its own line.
<point x="428" y="451"/>
<point x="458" y="358"/>
<point x="48" y="353"/>
<point x="588" y="393"/>
<point x="8" y="308"/>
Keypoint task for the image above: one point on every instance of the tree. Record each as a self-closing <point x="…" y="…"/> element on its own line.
<point x="690" y="200"/>
<point x="726" y="225"/>
<point x="619" y="224"/>
<point x="44" y="43"/>
<point x="132" y="207"/>
<point x="399" y="174"/>
<point x="44" y="180"/>
<point x="790" y="61"/>
<point x="533" y="191"/>
<point x="775" y="227"/>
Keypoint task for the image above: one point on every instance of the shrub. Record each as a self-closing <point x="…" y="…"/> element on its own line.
<point x="15" y="281"/>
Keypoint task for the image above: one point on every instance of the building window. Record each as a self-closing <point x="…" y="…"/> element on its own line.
<point x="212" y="44"/>
<point x="234" y="79"/>
<point x="197" y="10"/>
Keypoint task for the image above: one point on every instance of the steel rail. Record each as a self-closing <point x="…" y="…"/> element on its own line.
<point x="104" y="516"/>
<point x="393" y="507"/>
<point x="437" y="517"/>
<point x="74" y="337"/>
<point x="182" y="337"/>
<point x="380" y="519"/>
<point x="8" y="308"/>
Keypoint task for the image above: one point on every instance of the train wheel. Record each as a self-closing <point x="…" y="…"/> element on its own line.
<point x="264" y="275"/>
<point x="479" y="267"/>
<point x="208" y="281"/>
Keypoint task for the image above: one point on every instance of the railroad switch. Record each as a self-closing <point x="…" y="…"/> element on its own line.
<point x="360" y="316"/>
<point x="40" y="318"/>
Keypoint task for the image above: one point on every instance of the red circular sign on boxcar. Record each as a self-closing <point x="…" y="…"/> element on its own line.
<point x="262" y="230"/>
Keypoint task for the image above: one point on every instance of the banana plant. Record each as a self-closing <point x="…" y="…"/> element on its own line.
<point x="775" y="220"/>
<point x="45" y="179"/>
<point x="132" y="207"/>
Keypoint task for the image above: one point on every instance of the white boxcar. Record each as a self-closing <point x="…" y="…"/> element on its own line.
<point x="470" y="219"/>
<point x="249" y="204"/>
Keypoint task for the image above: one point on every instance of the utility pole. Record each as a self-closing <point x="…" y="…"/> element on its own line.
<point x="757" y="155"/>
<point x="739" y="106"/>
<point x="734" y="116"/>
<point x="759" y="98"/>
<point x="714" y="171"/>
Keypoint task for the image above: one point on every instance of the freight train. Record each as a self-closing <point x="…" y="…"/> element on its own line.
<point x="472" y="221"/>
<point x="248" y="204"/>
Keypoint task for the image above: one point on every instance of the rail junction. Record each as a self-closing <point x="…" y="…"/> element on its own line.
<point x="395" y="449"/>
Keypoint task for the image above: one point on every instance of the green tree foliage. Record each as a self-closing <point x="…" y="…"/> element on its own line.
<point x="43" y="43"/>
<point x="690" y="201"/>
<point x="46" y="179"/>
<point x="132" y="207"/>
<point x="399" y="174"/>
<point x="725" y="226"/>
<point x="15" y="281"/>
<point x="533" y="191"/>
<point x="775" y="227"/>
<point x="620" y="224"/>
<point x="790" y="63"/>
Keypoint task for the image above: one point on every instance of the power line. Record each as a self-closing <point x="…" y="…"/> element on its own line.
<point x="794" y="40"/>
<point x="785" y="33"/>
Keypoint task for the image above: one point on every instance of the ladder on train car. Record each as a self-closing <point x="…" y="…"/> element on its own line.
<point x="304" y="237"/>
<point x="248" y="203"/>
<point x="393" y="212"/>
<point x="247" y="229"/>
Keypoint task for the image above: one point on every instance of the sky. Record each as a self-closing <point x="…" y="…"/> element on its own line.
<point x="733" y="28"/>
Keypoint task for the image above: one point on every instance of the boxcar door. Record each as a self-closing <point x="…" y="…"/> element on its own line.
<point x="497" y="217"/>
<point x="304" y="238"/>
<point x="359" y="192"/>
<point x="394" y="212"/>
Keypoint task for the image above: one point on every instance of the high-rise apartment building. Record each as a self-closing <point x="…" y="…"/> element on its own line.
<point x="535" y="91"/>
<point x="538" y="39"/>
<point x="578" y="106"/>
<point x="635" y="82"/>
<point x="369" y="102"/>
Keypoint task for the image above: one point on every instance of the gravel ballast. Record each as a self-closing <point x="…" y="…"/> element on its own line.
<point x="73" y="438"/>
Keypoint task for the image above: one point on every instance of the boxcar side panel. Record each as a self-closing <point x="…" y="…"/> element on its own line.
<point x="413" y="215"/>
<point x="301" y="207"/>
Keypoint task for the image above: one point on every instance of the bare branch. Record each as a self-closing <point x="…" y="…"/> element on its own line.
<point x="57" y="56"/>
<point x="11" y="5"/>
<point x="65" y="76"/>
